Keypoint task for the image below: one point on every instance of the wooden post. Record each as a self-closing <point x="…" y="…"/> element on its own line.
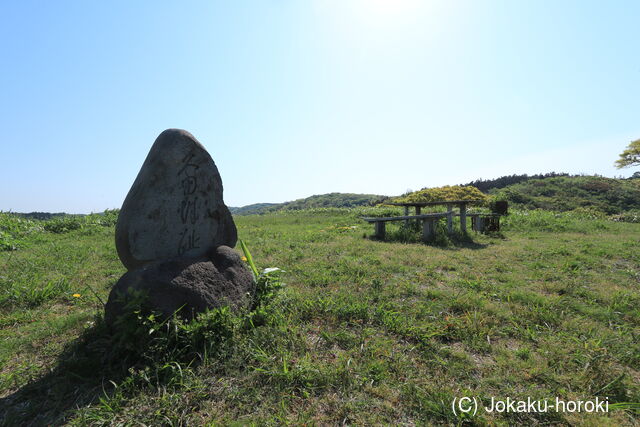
<point x="463" y="217"/>
<point x="406" y="213"/>
<point x="418" y="210"/>
<point x="379" y="230"/>
<point x="481" y="226"/>
<point x="449" y="218"/>
<point x="428" y="229"/>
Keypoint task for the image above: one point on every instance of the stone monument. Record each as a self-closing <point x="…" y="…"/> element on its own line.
<point x="174" y="234"/>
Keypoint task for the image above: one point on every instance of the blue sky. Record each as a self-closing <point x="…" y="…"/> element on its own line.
<point x="294" y="98"/>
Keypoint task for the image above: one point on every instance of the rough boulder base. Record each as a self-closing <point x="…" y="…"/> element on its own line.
<point x="174" y="207"/>
<point x="187" y="286"/>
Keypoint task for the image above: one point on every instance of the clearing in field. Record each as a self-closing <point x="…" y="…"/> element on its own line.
<point x="363" y="332"/>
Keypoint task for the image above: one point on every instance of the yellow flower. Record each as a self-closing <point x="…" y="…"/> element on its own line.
<point x="76" y="295"/>
<point x="244" y="258"/>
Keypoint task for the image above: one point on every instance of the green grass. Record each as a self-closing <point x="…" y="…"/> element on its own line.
<point x="364" y="332"/>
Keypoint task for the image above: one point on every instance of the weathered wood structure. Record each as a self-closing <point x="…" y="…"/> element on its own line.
<point x="461" y="204"/>
<point x="428" y="224"/>
<point x="485" y="222"/>
<point x="479" y="222"/>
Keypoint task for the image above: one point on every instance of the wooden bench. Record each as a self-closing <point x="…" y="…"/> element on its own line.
<point x="428" y="223"/>
<point x="462" y="205"/>
<point x="480" y="222"/>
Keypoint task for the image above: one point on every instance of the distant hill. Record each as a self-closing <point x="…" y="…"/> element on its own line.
<point x="43" y="215"/>
<point x="330" y="200"/>
<point x="485" y="185"/>
<point x="550" y="191"/>
<point x="565" y="193"/>
<point x="335" y="200"/>
<point x="255" y="208"/>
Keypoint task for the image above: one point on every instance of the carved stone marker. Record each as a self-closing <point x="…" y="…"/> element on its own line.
<point x="174" y="234"/>
<point x="175" y="206"/>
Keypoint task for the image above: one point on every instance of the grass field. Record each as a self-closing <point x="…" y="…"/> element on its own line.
<point x="364" y="332"/>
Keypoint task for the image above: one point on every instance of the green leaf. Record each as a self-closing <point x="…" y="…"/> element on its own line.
<point x="247" y="255"/>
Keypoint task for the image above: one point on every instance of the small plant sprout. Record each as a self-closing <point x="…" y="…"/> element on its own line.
<point x="267" y="282"/>
<point x="249" y="259"/>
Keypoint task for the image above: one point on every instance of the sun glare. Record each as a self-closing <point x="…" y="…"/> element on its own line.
<point x="384" y="12"/>
<point x="380" y="16"/>
<point x="389" y="7"/>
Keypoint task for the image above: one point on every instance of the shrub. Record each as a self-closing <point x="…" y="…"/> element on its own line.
<point x="13" y="229"/>
<point x="447" y="192"/>
<point x="629" y="216"/>
<point x="548" y="221"/>
<point x="63" y="224"/>
<point x="108" y="218"/>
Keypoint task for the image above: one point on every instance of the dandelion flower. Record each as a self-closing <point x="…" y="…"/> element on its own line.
<point x="76" y="295"/>
<point x="244" y="258"/>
